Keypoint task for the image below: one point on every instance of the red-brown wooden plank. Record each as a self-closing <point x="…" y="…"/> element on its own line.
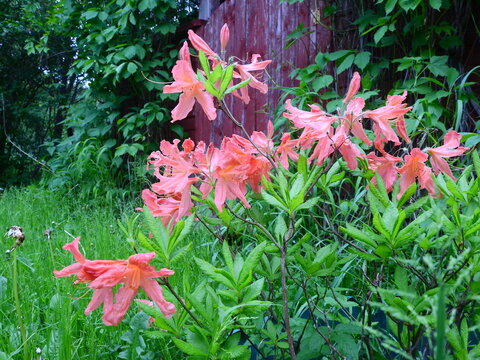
<point x="260" y="27"/>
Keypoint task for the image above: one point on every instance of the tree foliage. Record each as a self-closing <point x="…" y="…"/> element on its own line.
<point x="86" y="83"/>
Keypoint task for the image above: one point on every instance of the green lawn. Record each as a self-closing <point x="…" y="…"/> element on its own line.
<point x="52" y="310"/>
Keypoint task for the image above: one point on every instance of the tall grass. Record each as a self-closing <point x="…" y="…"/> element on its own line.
<point x="52" y="309"/>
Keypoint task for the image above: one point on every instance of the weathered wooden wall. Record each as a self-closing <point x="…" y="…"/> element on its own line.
<point x="258" y="27"/>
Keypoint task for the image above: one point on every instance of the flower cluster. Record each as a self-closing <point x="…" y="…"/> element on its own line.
<point x="331" y="133"/>
<point x="228" y="170"/>
<point x="103" y="275"/>
<point x="192" y="88"/>
<point x="244" y="161"/>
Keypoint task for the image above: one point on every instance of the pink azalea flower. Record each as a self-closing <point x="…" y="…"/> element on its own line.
<point x="415" y="168"/>
<point x="233" y="166"/>
<point x="385" y="167"/>
<point x="191" y="89"/>
<point x="350" y="152"/>
<point x="243" y="72"/>
<point x="450" y="148"/>
<point x="169" y="207"/>
<point x="264" y="143"/>
<point x="314" y="120"/>
<point x="103" y="275"/>
<point x="353" y="119"/>
<point x="177" y="167"/>
<point x="392" y="112"/>
<point x="285" y="150"/>
<point x="339" y="141"/>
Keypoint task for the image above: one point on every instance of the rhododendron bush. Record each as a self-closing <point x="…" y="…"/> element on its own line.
<point x="340" y="237"/>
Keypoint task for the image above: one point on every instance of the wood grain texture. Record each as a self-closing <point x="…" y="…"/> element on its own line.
<point x="259" y="27"/>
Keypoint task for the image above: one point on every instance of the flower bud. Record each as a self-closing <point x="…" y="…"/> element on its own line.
<point x="224" y="36"/>
<point x="353" y="87"/>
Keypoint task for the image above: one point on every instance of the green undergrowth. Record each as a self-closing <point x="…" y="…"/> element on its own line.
<point x="53" y="308"/>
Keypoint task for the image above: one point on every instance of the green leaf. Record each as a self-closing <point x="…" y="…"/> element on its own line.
<point x="237" y="86"/>
<point x="380" y="33"/>
<point x="409" y="4"/>
<point x="438" y="65"/>
<point x="177" y="238"/>
<point x="216" y="74"/>
<point x="280" y="227"/>
<point x="308" y="204"/>
<point x="345" y="63"/>
<point x="216" y="274"/>
<point x="146" y="4"/>
<point x="211" y="88"/>
<point x="325" y="252"/>
<point x="435" y="4"/>
<point x="227" y="256"/>
<point x="147" y="244"/>
<point x="226" y="78"/>
<point x="337" y="54"/>
<point x="132" y="67"/>
<point x="90" y="14"/>
<point x="476" y="162"/>
<point x="452" y="76"/>
<point x="321" y="82"/>
<point x="412" y="189"/>
<point x="389" y="6"/>
<point x="188" y="349"/>
<point x="160" y="234"/>
<point x="441" y="320"/>
<point x="358" y="235"/>
<point x="297" y="186"/>
<point x="251" y="262"/>
<point x="389" y="217"/>
<point x="252" y="291"/>
<point x="273" y="201"/>
<point x="130" y="52"/>
<point x="204" y="62"/>
<point x="362" y="59"/>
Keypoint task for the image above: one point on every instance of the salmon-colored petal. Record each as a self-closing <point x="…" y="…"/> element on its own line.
<point x="73" y="248"/>
<point x="414" y="168"/>
<point x="402" y="129"/>
<point x="426" y="181"/>
<point x="358" y="131"/>
<point x="154" y="292"/>
<point x="72" y="269"/>
<point x="220" y="194"/>
<point x="206" y="102"/>
<point x="385" y="167"/>
<point x="99" y="297"/>
<point x="141" y="258"/>
<point x="123" y="299"/>
<point x="353" y="87"/>
<point x="199" y="44"/>
<point x="450" y="148"/>
<point x="110" y="278"/>
<point x="350" y="153"/>
<point x="185" y="53"/>
<point x="407" y="178"/>
<point x="184" y="106"/>
<point x="440" y="165"/>
<point x="356" y="106"/>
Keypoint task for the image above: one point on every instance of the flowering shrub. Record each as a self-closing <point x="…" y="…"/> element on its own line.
<point x="317" y="276"/>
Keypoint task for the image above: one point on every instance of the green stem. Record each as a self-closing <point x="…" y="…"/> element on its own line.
<point x="16" y="296"/>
